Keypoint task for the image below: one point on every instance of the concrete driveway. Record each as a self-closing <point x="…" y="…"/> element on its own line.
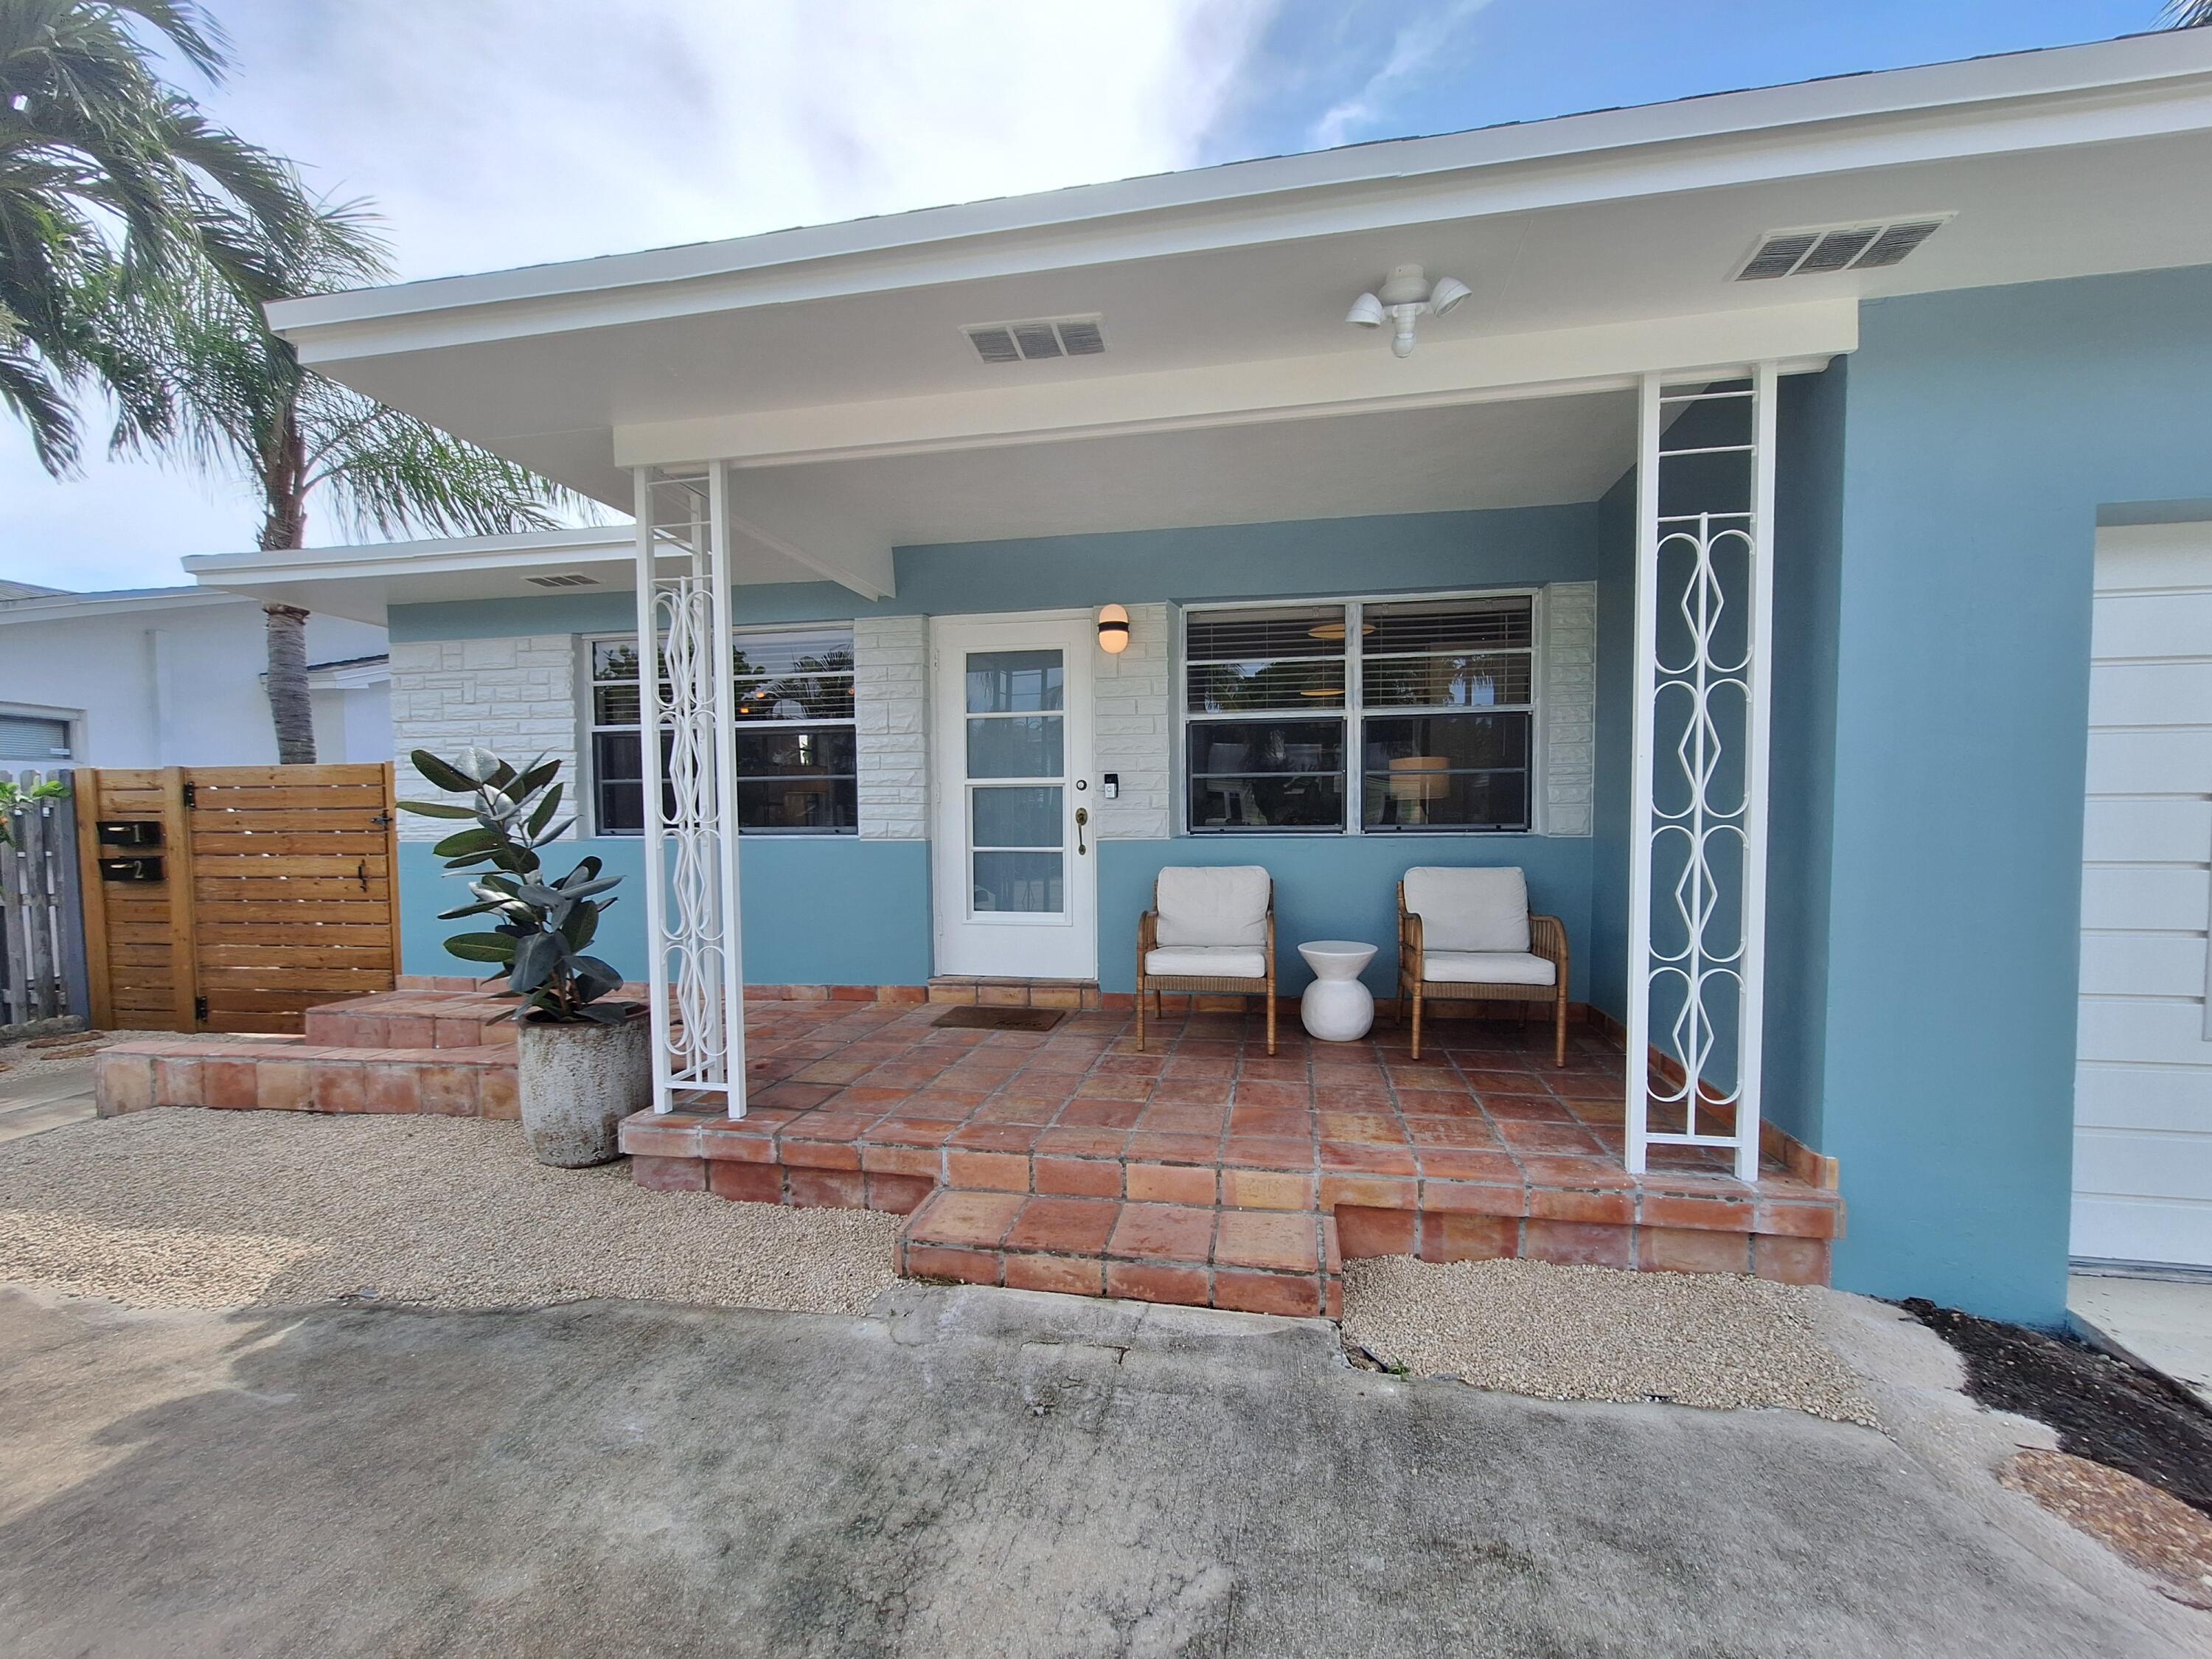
<point x="963" y="1473"/>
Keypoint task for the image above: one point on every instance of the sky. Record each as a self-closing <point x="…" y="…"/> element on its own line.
<point x="495" y="133"/>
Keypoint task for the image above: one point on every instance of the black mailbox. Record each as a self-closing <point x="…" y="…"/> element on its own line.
<point x="140" y="869"/>
<point x="131" y="832"/>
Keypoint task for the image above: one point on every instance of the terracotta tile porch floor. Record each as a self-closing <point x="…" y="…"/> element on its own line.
<point x="1205" y="1171"/>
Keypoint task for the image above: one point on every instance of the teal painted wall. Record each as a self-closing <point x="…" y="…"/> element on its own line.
<point x="818" y="910"/>
<point x="845" y="910"/>
<point x="1985" y="431"/>
<point x="1616" y="746"/>
<point x="1402" y="551"/>
<point x="1801" y="794"/>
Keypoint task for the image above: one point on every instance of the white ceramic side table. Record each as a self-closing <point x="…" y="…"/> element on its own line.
<point x="1337" y="1007"/>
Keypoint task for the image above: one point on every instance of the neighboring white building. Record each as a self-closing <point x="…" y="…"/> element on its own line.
<point x="172" y="676"/>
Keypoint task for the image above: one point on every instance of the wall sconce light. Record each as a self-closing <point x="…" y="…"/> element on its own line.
<point x="1113" y="629"/>
<point x="1404" y="298"/>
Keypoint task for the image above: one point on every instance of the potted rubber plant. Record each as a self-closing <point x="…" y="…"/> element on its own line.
<point x="585" y="1062"/>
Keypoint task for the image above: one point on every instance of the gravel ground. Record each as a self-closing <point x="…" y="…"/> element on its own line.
<point x="2160" y="1534"/>
<point x="181" y="1208"/>
<point x="1599" y="1334"/>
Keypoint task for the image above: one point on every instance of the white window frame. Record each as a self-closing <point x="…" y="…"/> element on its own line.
<point x="1354" y="709"/>
<point x="587" y="748"/>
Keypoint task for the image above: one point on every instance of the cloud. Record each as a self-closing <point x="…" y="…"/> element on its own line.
<point x="495" y="133"/>
<point x="1414" y="49"/>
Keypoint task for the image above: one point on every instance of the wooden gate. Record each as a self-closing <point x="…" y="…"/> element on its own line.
<point x="234" y="898"/>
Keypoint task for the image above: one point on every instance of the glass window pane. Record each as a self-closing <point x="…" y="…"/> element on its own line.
<point x="1018" y="817"/>
<point x="1028" y="883"/>
<point x="819" y="805"/>
<point x="1019" y="747"/>
<point x="1265" y="632"/>
<point x="614" y="705"/>
<point x="794" y="752"/>
<point x="1253" y="775"/>
<point x="616" y="776"/>
<point x="1015" y="682"/>
<point x="614" y="659"/>
<point x="796" y="698"/>
<point x="1460" y="682"/>
<point x="1233" y="688"/>
<point x="1446" y="771"/>
<point x="800" y="651"/>
<point x="1450" y="625"/>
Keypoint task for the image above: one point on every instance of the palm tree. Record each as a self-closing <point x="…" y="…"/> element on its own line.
<point x="238" y="401"/>
<point x="110" y="176"/>
<point x="2188" y="14"/>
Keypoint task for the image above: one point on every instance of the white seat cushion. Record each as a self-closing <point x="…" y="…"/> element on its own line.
<point x="1222" y="904"/>
<point x="1209" y="962"/>
<point x="1485" y="910"/>
<point x="1488" y="967"/>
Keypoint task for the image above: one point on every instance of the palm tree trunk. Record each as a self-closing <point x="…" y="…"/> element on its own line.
<point x="284" y="524"/>
<point x="290" y="704"/>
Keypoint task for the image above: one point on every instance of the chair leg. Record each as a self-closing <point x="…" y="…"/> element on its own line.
<point x="1140" y="1013"/>
<point x="1559" y="1025"/>
<point x="1416" y="1022"/>
<point x="1271" y="1018"/>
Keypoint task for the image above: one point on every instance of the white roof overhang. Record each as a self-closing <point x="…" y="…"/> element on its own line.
<point x="828" y="365"/>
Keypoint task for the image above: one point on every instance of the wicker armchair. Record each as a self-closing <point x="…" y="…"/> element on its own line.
<point x="1210" y="932"/>
<point x="1487" y="948"/>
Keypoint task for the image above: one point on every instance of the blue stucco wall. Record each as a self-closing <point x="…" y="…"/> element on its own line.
<point x="1802" y="748"/>
<point x="1402" y="551"/>
<point x="844" y="910"/>
<point x="1984" y="432"/>
<point x="818" y="910"/>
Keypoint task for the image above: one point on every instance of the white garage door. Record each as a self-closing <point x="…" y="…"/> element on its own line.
<point x="2142" y="1092"/>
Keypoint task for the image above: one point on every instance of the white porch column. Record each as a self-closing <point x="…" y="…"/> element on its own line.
<point x="688" y="738"/>
<point x="1704" y="602"/>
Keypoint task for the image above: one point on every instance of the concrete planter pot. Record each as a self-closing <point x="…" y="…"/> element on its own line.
<point x="578" y="1083"/>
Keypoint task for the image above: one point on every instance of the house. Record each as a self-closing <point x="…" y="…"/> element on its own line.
<point x="172" y="676"/>
<point x="1795" y="552"/>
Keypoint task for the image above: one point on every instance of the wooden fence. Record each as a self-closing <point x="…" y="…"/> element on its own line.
<point x="235" y="898"/>
<point x="42" y="969"/>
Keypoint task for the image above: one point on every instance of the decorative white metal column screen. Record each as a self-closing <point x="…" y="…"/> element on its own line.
<point x="688" y="745"/>
<point x="1705" y="601"/>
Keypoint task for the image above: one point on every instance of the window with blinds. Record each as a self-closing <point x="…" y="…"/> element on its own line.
<point x="36" y="740"/>
<point x="798" y="771"/>
<point x="1378" y="716"/>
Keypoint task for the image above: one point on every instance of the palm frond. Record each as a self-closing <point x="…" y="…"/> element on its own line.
<point x="389" y="474"/>
<point x="2188" y="14"/>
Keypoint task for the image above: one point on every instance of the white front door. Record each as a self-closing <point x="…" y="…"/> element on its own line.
<point x="2143" y="1081"/>
<point x="1015" y="846"/>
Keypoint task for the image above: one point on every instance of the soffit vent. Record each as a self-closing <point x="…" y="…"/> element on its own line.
<point x="567" y="579"/>
<point x="1818" y="249"/>
<point x="1038" y="341"/>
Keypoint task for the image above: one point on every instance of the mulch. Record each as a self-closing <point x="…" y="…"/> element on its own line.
<point x="2104" y="1409"/>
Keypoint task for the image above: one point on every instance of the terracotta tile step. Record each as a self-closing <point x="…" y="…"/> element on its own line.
<point x="1249" y="1173"/>
<point x="293" y="1074"/>
<point x="1252" y="1261"/>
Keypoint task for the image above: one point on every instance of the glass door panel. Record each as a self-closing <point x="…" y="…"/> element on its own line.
<point x="1016" y="776"/>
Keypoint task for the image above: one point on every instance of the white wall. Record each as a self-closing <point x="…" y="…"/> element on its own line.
<point x="164" y="684"/>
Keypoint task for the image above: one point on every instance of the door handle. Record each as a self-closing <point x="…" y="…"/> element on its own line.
<point x="1082" y="817"/>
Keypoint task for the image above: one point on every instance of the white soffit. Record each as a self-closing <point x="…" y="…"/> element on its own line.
<point x="1532" y="453"/>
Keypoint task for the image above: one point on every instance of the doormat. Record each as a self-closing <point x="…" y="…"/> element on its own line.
<point x="975" y="1018"/>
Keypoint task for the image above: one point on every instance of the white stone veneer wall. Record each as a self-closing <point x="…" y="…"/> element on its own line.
<point x="516" y="696"/>
<point x="1568" y="703"/>
<point x="891" y="718"/>
<point x="1131" y="703"/>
